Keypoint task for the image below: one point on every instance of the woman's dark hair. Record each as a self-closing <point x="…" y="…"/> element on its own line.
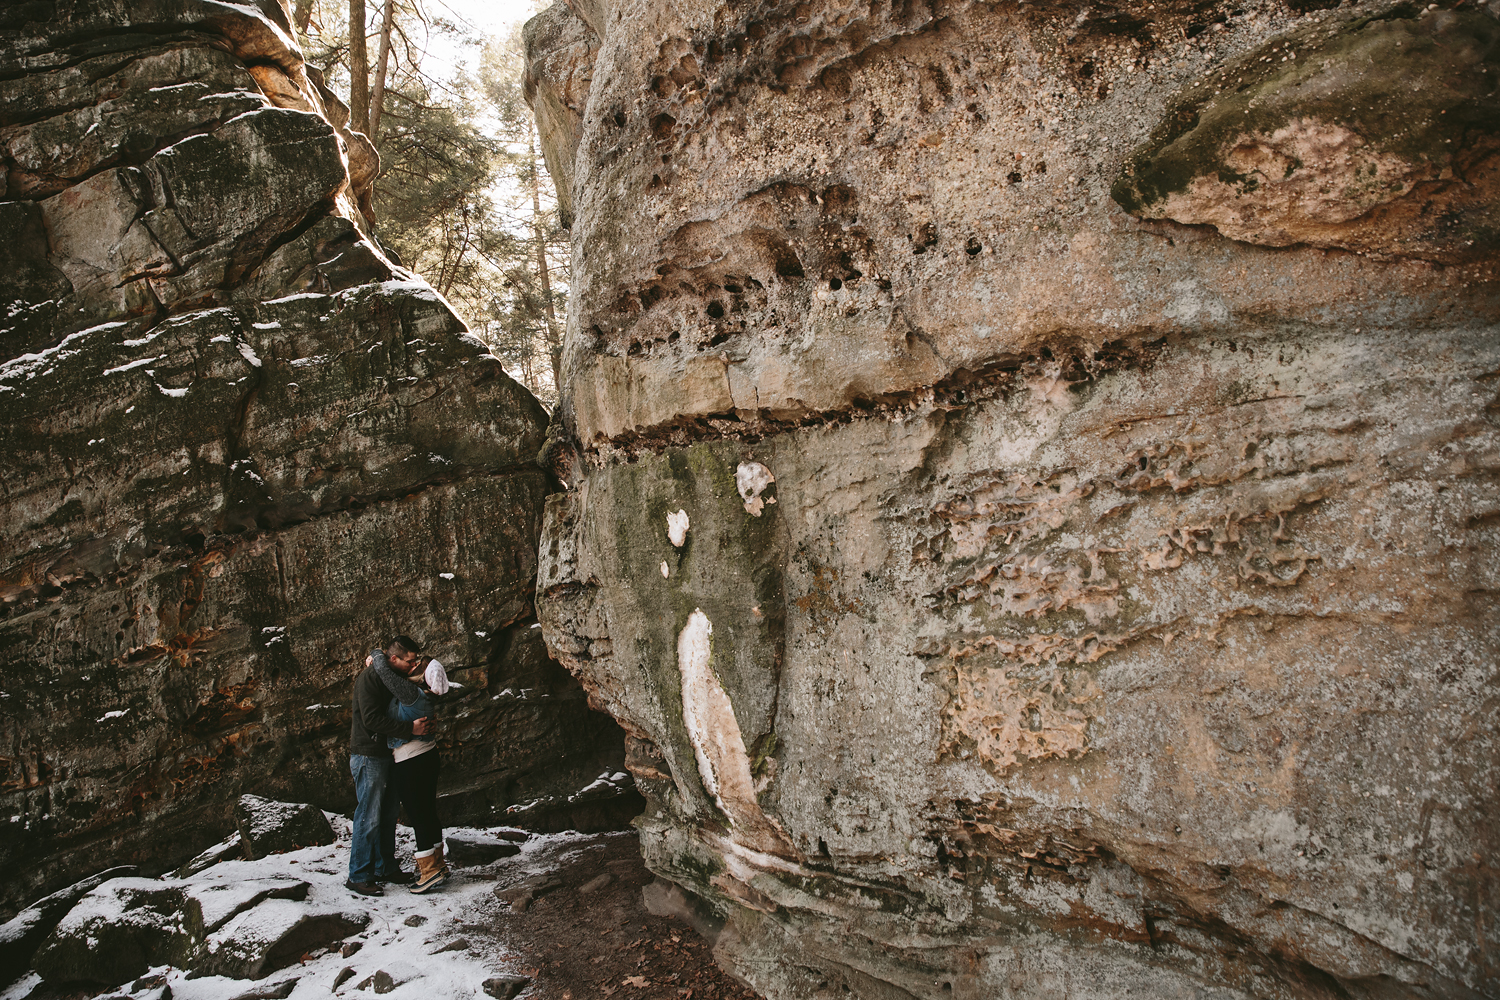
<point x="404" y="644"/>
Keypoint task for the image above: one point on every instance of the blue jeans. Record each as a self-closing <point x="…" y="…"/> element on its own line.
<point x="372" y="851"/>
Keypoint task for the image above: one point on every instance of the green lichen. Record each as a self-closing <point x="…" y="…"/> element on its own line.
<point x="1413" y="83"/>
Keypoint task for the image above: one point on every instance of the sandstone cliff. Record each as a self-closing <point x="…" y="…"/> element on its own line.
<point x="240" y="446"/>
<point x="1084" y="423"/>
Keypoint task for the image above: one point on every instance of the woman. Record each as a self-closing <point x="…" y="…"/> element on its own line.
<point x="415" y="772"/>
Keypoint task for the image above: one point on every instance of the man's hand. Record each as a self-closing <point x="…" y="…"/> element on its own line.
<point x="419" y="728"/>
<point x="369" y="661"/>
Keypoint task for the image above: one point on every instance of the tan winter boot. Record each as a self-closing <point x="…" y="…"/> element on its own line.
<point x="432" y="871"/>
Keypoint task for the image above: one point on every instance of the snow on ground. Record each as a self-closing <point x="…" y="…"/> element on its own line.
<point x="463" y="910"/>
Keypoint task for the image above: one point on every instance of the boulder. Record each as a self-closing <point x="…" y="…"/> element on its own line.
<point x="504" y="987"/>
<point x="272" y="935"/>
<point x="211" y="410"/>
<point x="270" y="827"/>
<point x="23" y="934"/>
<point x="469" y="849"/>
<point x="119" y="930"/>
<point x="1124" y="622"/>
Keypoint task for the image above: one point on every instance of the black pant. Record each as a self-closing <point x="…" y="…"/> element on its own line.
<point x="416" y="784"/>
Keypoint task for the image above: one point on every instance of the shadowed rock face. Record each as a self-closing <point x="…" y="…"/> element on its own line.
<point x="1113" y="611"/>
<point x="241" y="447"/>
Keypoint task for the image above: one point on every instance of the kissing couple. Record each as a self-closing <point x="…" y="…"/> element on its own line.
<point x="394" y="760"/>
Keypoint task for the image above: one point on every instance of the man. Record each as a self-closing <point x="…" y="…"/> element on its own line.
<point x="372" y="850"/>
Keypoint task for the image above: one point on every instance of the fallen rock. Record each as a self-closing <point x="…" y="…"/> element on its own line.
<point x="119" y="930"/>
<point x="220" y="902"/>
<point x="506" y="986"/>
<point x="415" y="920"/>
<point x="349" y="948"/>
<point x="458" y="944"/>
<point x="521" y="895"/>
<point x="345" y="974"/>
<point x="469" y="850"/>
<point x="271" y="827"/>
<point x="230" y="847"/>
<point x="387" y="979"/>
<point x="510" y="833"/>
<point x="596" y="883"/>
<point x="271" y="936"/>
<point x="23" y="934"/>
<point x="161" y="991"/>
<point x="279" y="991"/>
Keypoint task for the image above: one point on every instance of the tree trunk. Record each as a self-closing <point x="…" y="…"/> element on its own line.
<point x="359" y="70"/>
<point x="554" y="342"/>
<point x="302" y="17"/>
<point x="382" y="60"/>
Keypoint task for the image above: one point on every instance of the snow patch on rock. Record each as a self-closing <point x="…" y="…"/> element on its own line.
<point x="751" y="479"/>
<point x="677" y="528"/>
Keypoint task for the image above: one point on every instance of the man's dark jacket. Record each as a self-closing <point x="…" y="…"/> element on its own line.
<point x="370" y="725"/>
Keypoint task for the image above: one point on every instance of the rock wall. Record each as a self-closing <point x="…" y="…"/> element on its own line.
<point x="241" y="446"/>
<point x="1084" y="423"/>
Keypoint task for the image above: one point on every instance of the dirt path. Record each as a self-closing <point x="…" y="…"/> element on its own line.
<point x="584" y="939"/>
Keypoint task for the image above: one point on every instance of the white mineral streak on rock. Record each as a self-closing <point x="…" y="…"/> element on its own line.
<point x="664" y="571"/>
<point x="718" y="745"/>
<point x="751" y="478"/>
<point x="677" y="528"/>
<point x="706" y="710"/>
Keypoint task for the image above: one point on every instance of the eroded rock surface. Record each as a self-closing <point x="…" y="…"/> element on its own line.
<point x="241" y="447"/>
<point x="1116" y="611"/>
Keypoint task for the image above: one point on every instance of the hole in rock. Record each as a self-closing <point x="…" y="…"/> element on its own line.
<point x="715" y="310"/>
<point x="788" y="266"/>
<point x="835" y="284"/>
<point x="620" y="119"/>
<point x="973" y="247"/>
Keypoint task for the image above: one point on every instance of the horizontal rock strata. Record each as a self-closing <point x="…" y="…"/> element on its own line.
<point x="1081" y="593"/>
<point x="241" y="446"/>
